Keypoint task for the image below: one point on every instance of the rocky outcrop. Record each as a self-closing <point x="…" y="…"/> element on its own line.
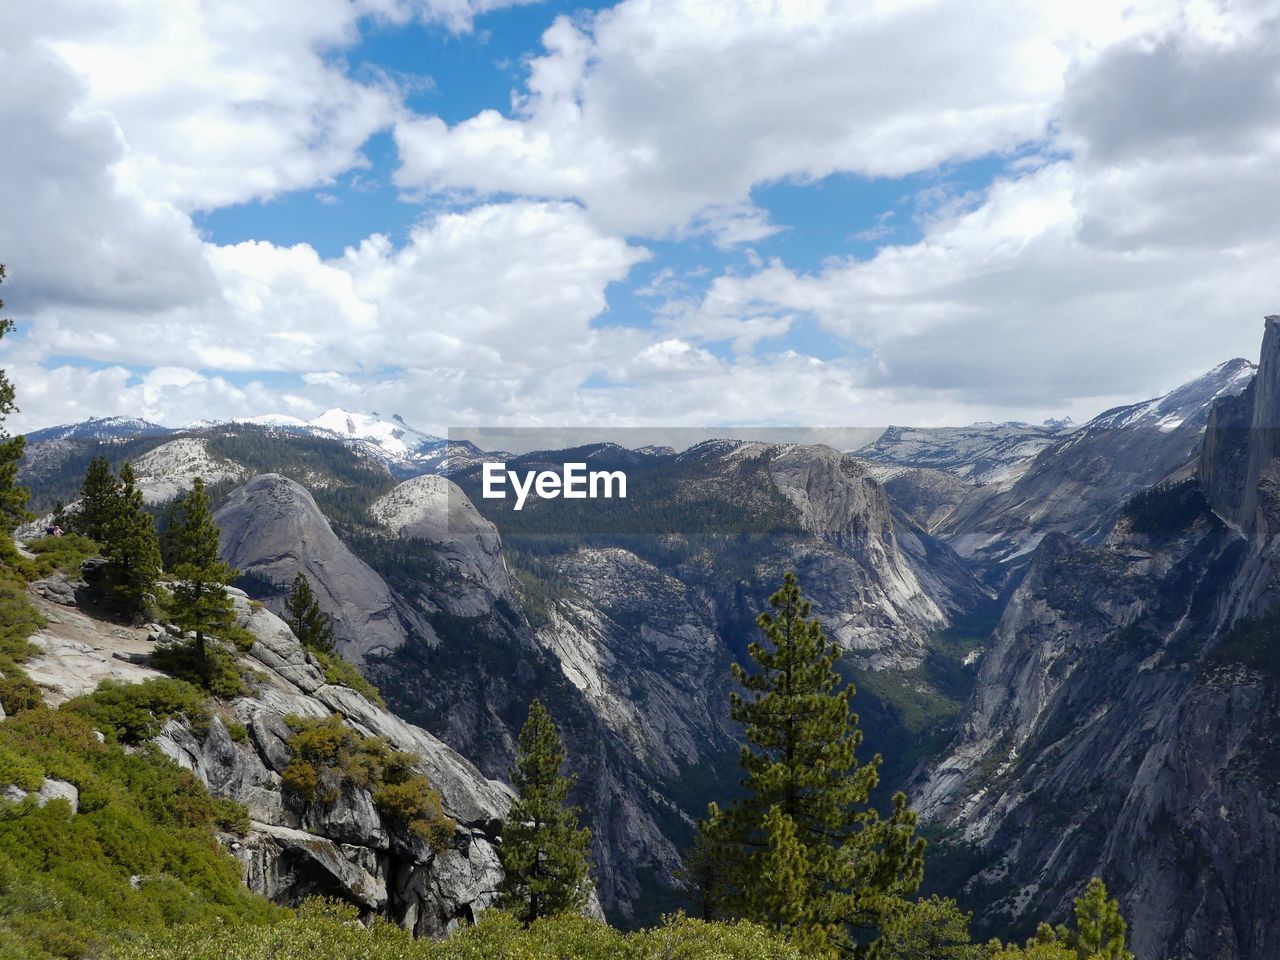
<point x="1078" y="485"/>
<point x="169" y="470"/>
<point x="47" y="792"/>
<point x="1237" y="471"/>
<point x="272" y="528"/>
<point x="346" y="850"/>
<point x="1124" y="717"/>
<point x="434" y="509"/>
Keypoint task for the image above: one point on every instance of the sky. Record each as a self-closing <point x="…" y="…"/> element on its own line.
<point x="760" y="212"/>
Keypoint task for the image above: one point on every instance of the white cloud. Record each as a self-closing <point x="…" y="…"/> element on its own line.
<point x="1138" y="249"/>
<point x="103" y="98"/>
<point x="515" y="284"/>
<point x="226" y="102"/>
<point x="1140" y="261"/>
<point x="662" y="115"/>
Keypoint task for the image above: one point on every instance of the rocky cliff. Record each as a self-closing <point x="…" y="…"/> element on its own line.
<point x="272" y="528"/>
<point x="1125" y="715"/>
<point x="346" y="850"/>
<point x="1078" y="485"/>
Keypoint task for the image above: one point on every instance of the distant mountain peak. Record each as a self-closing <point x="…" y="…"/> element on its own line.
<point x="99" y="428"/>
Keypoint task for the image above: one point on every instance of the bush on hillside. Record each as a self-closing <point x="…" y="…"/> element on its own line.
<point x="134" y="712"/>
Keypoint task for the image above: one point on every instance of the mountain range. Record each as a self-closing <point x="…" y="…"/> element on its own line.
<point x="1062" y="635"/>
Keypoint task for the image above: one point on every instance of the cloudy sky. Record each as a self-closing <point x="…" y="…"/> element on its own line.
<point x="795" y="212"/>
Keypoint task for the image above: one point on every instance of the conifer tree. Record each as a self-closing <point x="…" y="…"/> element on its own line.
<point x="1100" y="927"/>
<point x="200" y="603"/>
<point x="780" y="898"/>
<point x="805" y="788"/>
<point x="131" y="549"/>
<point x="704" y="870"/>
<point x="310" y="624"/>
<point x="13" y="498"/>
<point x="1099" y="933"/>
<point x="98" y="500"/>
<point x="930" y="929"/>
<point x="544" y="851"/>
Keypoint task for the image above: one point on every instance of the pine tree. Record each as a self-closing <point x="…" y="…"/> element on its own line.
<point x="311" y="625"/>
<point x="1099" y="933"/>
<point x="930" y="929"/>
<point x="131" y="549"/>
<point x="703" y="872"/>
<point x="13" y="498"/>
<point x="98" y="500"/>
<point x="800" y="759"/>
<point x="1100" y="927"/>
<point x="544" y="851"/>
<point x="781" y="897"/>
<point x="201" y="605"/>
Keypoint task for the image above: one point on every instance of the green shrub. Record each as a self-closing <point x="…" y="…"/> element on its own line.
<point x="63" y="554"/>
<point x="329" y="757"/>
<point x="18" y="619"/>
<point x="18" y="692"/>
<point x="240" y="638"/>
<point x="65" y="889"/>
<point x="20" y="769"/>
<point x="231" y="816"/>
<point x="341" y="673"/>
<point x="224" y="678"/>
<point x="134" y="712"/>
<point x="415" y="805"/>
<point x="237" y="731"/>
<point x="328" y="931"/>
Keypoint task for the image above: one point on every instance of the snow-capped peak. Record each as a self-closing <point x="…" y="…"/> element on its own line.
<point x="394" y="436"/>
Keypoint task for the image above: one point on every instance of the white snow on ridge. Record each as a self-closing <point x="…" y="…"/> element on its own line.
<point x="395" y="437"/>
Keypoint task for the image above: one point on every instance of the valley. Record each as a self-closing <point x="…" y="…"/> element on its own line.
<point x="1043" y="624"/>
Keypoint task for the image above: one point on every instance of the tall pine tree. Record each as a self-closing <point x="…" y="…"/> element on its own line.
<point x="806" y="798"/>
<point x="13" y="498"/>
<point x="544" y="851"/>
<point x="201" y="605"/>
<point x="310" y="624"/>
<point x="99" y="493"/>
<point x="131" y="549"/>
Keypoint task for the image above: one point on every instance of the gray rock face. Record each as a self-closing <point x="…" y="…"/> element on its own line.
<point x="927" y="496"/>
<point x="434" y="509"/>
<point x="1121" y="727"/>
<point x="345" y="850"/>
<point x="642" y="649"/>
<point x="272" y="527"/>
<point x="1078" y="485"/>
